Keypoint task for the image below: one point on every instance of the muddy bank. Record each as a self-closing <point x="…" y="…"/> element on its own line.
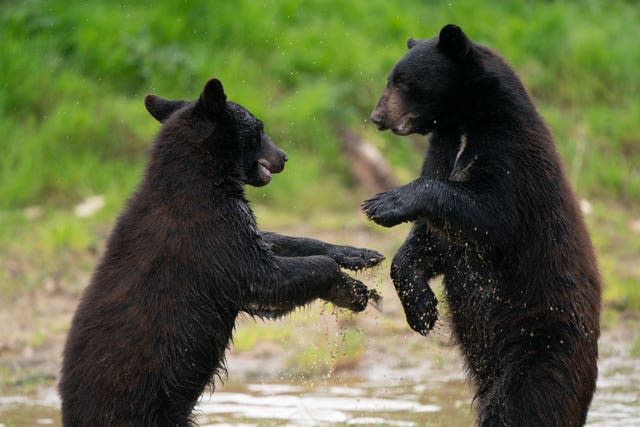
<point x="315" y="367"/>
<point x="390" y="387"/>
<point x="400" y="379"/>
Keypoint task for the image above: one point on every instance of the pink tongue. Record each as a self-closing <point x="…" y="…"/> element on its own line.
<point x="264" y="172"/>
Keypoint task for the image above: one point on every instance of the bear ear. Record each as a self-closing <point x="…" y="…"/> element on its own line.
<point x="161" y="108"/>
<point x="453" y="42"/>
<point x="411" y="43"/>
<point x="212" y="100"/>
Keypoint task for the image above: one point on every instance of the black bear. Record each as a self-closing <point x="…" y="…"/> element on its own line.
<point x="184" y="258"/>
<point x="494" y="214"/>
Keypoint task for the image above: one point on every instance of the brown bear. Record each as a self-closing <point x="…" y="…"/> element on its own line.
<point x="494" y="214"/>
<point x="183" y="260"/>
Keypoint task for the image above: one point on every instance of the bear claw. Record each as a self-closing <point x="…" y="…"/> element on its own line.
<point x="383" y="209"/>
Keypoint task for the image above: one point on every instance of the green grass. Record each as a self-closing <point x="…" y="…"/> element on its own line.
<point x="74" y="75"/>
<point x="322" y="357"/>
<point x="73" y="122"/>
<point x="618" y="248"/>
<point x="246" y="338"/>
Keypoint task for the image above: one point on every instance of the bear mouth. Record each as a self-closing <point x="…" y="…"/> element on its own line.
<point x="405" y="125"/>
<point x="265" y="169"/>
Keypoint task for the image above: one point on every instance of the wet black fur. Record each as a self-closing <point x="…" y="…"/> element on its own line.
<point x="503" y="226"/>
<point x="183" y="260"/>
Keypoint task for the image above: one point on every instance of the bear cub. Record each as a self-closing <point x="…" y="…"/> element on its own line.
<point x="183" y="260"/>
<point x="494" y="214"/>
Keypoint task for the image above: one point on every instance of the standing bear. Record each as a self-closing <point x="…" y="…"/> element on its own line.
<point x="494" y="214"/>
<point x="183" y="260"/>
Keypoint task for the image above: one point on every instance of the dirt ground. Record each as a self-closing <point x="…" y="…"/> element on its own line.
<point x="34" y="326"/>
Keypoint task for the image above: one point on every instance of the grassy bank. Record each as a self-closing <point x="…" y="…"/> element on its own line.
<point x="73" y="123"/>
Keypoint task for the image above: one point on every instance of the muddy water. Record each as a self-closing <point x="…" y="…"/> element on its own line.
<point x="363" y="404"/>
<point x="402" y="398"/>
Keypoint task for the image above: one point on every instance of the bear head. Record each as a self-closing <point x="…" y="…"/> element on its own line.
<point x="425" y="87"/>
<point x="230" y="133"/>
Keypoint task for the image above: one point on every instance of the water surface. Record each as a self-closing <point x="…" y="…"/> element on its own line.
<point x="393" y="396"/>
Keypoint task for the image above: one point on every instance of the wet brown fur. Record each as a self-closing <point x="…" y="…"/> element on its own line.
<point x="497" y="218"/>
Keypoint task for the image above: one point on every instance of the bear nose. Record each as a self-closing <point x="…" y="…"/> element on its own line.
<point x="375" y="117"/>
<point x="378" y="119"/>
<point x="284" y="157"/>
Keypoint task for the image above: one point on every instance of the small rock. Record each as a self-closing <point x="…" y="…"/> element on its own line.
<point x="32" y="212"/>
<point x="89" y="206"/>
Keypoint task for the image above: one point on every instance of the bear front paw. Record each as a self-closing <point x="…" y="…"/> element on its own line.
<point x="355" y="258"/>
<point x="420" y="309"/>
<point x="421" y="317"/>
<point x="385" y="209"/>
<point x="349" y="293"/>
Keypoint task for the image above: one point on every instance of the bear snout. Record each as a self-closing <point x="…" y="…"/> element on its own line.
<point x="391" y="112"/>
<point x="378" y="119"/>
<point x="277" y="161"/>
<point x="274" y="163"/>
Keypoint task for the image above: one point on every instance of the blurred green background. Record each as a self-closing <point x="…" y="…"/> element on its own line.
<point x="73" y="124"/>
